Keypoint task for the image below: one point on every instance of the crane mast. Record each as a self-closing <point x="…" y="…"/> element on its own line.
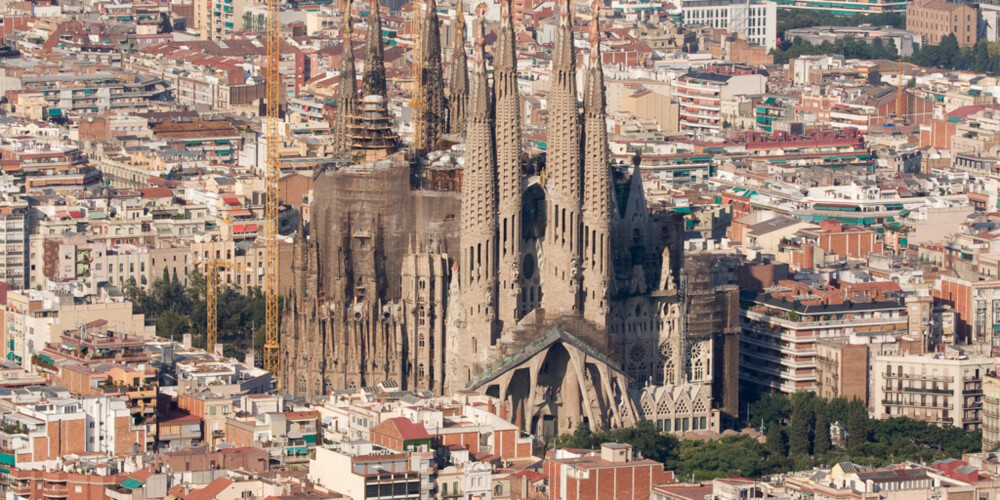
<point x="272" y="76"/>
<point x="212" y="268"/>
<point x="417" y="66"/>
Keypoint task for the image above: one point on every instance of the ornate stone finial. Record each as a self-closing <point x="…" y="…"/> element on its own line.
<point x="459" y="17"/>
<point x="348" y="19"/>
<point x="566" y="12"/>
<point x="595" y="28"/>
<point x="505" y="10"/>
<point x="479" y="43"/>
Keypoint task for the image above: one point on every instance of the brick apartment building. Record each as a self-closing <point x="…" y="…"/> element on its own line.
<point x="613" y="473"/>
<point x="934" y="19"/>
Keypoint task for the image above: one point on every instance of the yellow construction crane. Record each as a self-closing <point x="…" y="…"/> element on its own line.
<point x="417" y="101"/>
<point x="212" y="267"/>
<point x="275" y="87"/>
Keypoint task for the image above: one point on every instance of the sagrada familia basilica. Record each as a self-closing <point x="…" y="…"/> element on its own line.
<point x="457" y="264"/>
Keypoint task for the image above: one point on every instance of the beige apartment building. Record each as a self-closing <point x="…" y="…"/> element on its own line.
<point x="934" y="19"/>
<point x="941" y="388"/>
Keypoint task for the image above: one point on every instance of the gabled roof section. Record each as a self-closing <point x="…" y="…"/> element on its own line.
<point x="550" y="337"/>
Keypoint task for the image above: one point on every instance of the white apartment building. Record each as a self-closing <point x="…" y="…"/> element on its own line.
<point x="757" y="21"/>
<point x="14" y="243"/>
<point x="941" y="388"/>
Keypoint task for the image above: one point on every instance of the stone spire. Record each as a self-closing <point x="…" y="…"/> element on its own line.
<point x="458" y="84"/>
<point x="432" y="80"/>
<point x="373" y="82"/>
<point x="508" y="144"/>
<point x="598" y="197"/>
<point x="479" y="218"/>
<point x="560" y="271"/>
<point x="347" y="91"/>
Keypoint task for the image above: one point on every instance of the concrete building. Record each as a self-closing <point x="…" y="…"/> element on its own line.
<point x="842" y="370"/>
<point x="14" y="243"/>
<point x="991" y="411"/>
<point x="781" y="329"/>
<point x="613" y="473"/>
<point x="935" y="19"/>
<point x="363" y="471"/>
<point x="757" y="21"/>
<point x="700" y="95"/>
<point x="846" y="7"/>
<point x="942" y="388"/>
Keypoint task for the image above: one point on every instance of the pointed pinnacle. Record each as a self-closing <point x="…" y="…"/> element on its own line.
<point x="480" y="43"/>
<point x="595" y="28"/>
<point x="348" y="19"/>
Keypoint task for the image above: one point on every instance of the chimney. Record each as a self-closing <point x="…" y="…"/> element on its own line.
<point x="186" y="340"/>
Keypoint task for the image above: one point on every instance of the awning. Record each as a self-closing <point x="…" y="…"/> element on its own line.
<point x="231" y="201"/>
<point x="682" y="210"/>
<point x="76" y="215"/>
<point x="239" y="213"/>
<point x="238" y="228"/>
<point x="251" y="228"/>
<point x="131" y="483"/>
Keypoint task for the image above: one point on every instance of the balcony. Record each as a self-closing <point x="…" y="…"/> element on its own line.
<point x="20" y="489"/>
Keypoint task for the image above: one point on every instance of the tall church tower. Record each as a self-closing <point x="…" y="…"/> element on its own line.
<point x="373" y="81"/>
<point x="598" y="197"/>
<point x="508" y="143"/>
<point x="561" y="251"/>
<point x="458" y="83"/>
<point x="432" y="88"/>
<point x="479" y="225"/>
<point x="347" y="91"/>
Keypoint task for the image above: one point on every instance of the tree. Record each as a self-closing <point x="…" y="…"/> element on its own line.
<point x="800" y="430"/>
<point x="776" y="442"/>
<point x="821" y="432"/>
<point x="170" y="324"/>
<point x="859" y="425"/>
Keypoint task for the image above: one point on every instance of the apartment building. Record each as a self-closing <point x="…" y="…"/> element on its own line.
<point x="79" y="93"/>
<point x="846" y="7"/>
<point x="991" y="411"/>
<point x="613" y="473"/>
<point x="225" y="20"/>
<point x="941" y="388"/>
<point x="977" y="309"/>
<point x="14" y="243"/>
<point x="781" y="329"/>
<point x="363" y="471"/>
<point x="842" y="369"/>
<point x="700" y="94"/>
<point x="757" y="20"/>
<point x="935" y="19"/>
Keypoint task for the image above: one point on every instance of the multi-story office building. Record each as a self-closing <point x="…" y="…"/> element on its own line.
<point x="942" y="388"/>
<point x="14" y="243"/>
<point x="757" y="21"/>
<point x="935" y="19"/>
<point x="781" y="330"/>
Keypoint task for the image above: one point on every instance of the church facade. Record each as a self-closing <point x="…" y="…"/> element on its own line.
<point x="555" y="293"/>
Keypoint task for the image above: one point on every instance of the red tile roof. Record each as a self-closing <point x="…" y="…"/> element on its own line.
<point x="409" y="430"/>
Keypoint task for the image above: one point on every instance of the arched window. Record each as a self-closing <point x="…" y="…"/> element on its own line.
<point x="420" y="370"/>
<point x="302" y="384"/>
<point x="498" y="489"/>
<point x="420" y="340"/>
<point x="317" y="387"/>
<point x="698" y="372"/>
